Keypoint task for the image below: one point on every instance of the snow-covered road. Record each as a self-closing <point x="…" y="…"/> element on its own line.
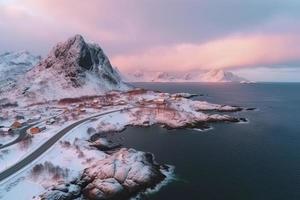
<point x="44" y="147"/>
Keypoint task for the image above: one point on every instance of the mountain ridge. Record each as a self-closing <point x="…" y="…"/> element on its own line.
<point x="215" y="75"/>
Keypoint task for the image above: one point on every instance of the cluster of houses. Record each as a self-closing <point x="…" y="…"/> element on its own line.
<point x="94" y="104"/>
<point x="157" y="101"/>
<point x="17" y="124"/>
<point x="37" y="129"/>
<point x="21" y="123"/>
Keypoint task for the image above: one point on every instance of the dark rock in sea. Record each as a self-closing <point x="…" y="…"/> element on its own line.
<point x="242" y="119"/>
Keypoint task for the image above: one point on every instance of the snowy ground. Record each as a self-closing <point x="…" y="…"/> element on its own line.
<point x="83" y="153"/>
<point x="4" y="139"/>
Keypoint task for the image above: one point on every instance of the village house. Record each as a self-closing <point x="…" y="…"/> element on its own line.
<point x="19" y="117"/>
<point x="34" y="119"/>
<point x="36" y="130"/>
<point x="81" y="105"/>
<point x="5" y="130"/>
<point x="50" y="121"/>
<point x="17" y="124"/>
<point x="99" y="107"/>
<point x="95" y="101"/>
<point x="82" y="111"/>
<point x="121" y="102"/>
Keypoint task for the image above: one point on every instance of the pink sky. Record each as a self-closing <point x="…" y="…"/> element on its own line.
<point x="230" y="52"/>
<point x="162" y="35"/>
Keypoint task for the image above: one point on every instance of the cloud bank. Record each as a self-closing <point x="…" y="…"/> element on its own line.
<point x="165" y="35"/>
<point x="229" y="52"/>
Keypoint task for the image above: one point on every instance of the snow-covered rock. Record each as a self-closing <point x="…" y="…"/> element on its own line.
<point x="86" y="163"/>
<point x="73" y="68"/>
<point x="184" y="95"/>
<point x="13" y="65"/>
<point x="119" y="176"/>
<point x="103" y="144"/>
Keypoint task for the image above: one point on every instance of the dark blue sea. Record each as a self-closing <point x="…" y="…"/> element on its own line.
<point x="255" y="161"/>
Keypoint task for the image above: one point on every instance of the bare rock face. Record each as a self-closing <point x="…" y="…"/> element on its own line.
<point x="74" y="57"/>
<point x="119" y="176"/>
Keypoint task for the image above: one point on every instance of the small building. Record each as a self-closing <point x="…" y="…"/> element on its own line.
<point x="81" y="105"/>
<point x="50" y="121"/>
<point x="36" y="130"/>
<point x="5" y="130"/>
<point x="99" y="107"/>
<point x="82" y="111"/>
<point x="16" y="125"/>
<point x="34" y="119"/>
<point x="19" y="117"/>
<point x="121" y="102"/>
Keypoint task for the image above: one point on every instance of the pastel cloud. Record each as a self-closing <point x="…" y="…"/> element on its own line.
<point x="229" y="52"/>
<point x="164" y="35"/>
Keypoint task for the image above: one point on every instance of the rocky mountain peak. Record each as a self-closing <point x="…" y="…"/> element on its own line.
<point x="75" y="49"/>
<point x="75" y="58"/>
<point x="72" y="68"/>
<point x="220" y="75"/>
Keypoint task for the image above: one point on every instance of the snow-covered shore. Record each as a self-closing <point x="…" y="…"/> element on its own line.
<point x="85" y="164"/>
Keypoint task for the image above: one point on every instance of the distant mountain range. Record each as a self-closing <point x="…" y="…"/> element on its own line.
<point x="216" y="75"/>
<point x="73" y="68"/>
<point x="13" y="65"/>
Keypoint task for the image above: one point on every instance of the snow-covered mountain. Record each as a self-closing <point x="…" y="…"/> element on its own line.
<point x="151" y="76"/>
<point x="73" y="68"/>
<point x="13" y="65"/>
<point x="216" y="75"/>
<point x="219" y="75"/>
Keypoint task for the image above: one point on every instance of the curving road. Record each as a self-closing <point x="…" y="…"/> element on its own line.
<point x="23" y="133"/>
<point x="22" y="136"/>
<point x="44" y="147"/>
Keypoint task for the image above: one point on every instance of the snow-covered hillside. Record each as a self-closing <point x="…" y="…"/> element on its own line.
<point x="13" y="65"/>
<point x="197" y="76"/>
<point x="73" y="68"/>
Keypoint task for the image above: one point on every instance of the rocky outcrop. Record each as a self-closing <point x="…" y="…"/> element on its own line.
<point x="103" y="144"/>
<point x="121" y="175"/>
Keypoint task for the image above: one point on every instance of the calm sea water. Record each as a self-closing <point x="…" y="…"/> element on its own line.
<point x="259" y="160"/>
